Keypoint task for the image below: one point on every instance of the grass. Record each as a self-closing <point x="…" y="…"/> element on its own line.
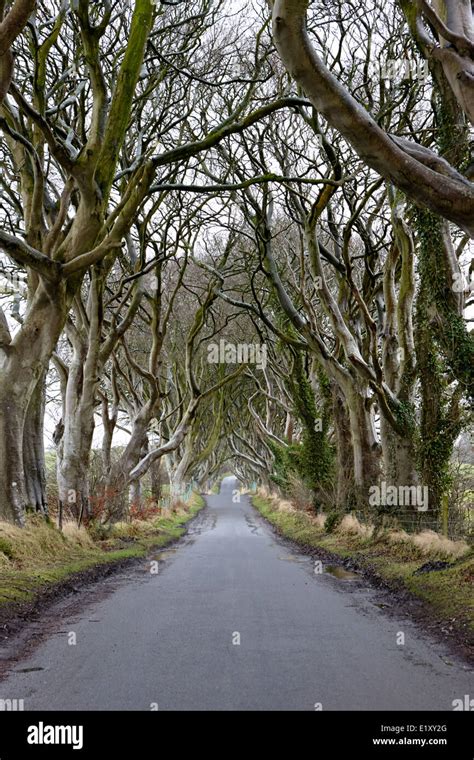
<point x="34" y="558"/>
<point x="392" y="555"/>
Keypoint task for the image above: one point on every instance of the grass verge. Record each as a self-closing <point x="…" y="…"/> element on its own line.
<point x="35" y="558"/>
<point x="392" y="557"/>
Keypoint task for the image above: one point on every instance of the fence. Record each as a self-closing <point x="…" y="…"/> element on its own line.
<point x="456" y="525"/>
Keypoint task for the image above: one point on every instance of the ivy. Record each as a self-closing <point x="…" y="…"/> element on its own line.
<point x="312" y="458"/>
<point x="437" y="359"/>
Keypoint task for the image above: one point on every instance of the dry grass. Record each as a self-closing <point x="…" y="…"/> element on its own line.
<point x="4" y="561"/>
<point x="352" y="526"/>
<point x="288" y="507"/>
<point x="319" y="521"/>
<point x="39" y="542"/>
<point x="34" y="557"/>
<point x="428" y="542"/>
<point x="276" y="501"/>
<point x="398" y="536"/>
<point x="299" y="494"/>
<point x="77" y="535"/>
<point x="432" y="544"/>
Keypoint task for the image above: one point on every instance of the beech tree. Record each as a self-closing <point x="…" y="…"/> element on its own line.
<point x="421" y="173"/>
<point x="172" y="183"/>
<point x="81" y="174"/>
<point x="12" y="22"/>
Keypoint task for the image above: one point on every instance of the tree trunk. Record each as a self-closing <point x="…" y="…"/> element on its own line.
<point x="33" y="449"/>
<point x="156" y="481"/>
<point x="22" y="365"/>
<point x="73" y="484"/>
<point x="438" y="331"/>
<point x="118" y="479"/>
<point x="345" y="458"/>
<point x="135" y="495"/>
<point x="365" y="448"/>
<point x="74" y="450"/>
<point x="12" y="482"/>
<point x="178" y="481"/>
<point x="399" y="456"/>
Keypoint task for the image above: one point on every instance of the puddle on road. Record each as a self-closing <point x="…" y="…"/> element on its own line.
<point x="28" y="670"/>
<point x="250" y="524"/>
<point x="340" y="573"/>
<point x="164" y="555"/>
<point x="448" y="662"/>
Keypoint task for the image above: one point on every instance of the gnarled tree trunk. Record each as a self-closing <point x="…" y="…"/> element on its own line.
<point x="344" y="452"/>
<point x="365" y="447"/>
<point x="24" y="363"/>
<point x="33" y="449"/>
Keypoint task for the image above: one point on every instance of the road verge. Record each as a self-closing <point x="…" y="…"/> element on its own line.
<point x="39" y="564"/>
<point x="429" y="578"/>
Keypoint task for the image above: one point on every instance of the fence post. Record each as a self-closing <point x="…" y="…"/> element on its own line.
<point x="445" y="514"/>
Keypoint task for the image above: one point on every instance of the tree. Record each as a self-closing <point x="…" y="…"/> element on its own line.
<point x="423" y="175"/>
<point x="12" y="24"/>
<point x="81" y="175"/>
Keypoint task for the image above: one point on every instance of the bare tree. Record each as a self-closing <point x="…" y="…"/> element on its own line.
<point x="423" y="175"/>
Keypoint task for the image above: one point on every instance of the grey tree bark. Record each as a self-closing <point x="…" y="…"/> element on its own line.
<point x="424" y="176"/>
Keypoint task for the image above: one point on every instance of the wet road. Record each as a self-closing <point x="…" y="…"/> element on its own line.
<point x="234" y="620"/>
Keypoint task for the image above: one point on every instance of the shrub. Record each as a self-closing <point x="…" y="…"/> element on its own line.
<point x="332" y="521"/>
<point x="6" y="548"/>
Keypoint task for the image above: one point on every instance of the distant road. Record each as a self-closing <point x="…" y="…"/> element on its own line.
<point x="172" y="639"/>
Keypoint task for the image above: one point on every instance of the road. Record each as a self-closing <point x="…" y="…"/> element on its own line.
<point x="234" y="620"/>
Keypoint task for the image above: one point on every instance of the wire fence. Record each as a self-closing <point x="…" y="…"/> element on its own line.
<point x="454" y="521"/>
<point x="458" y="525"/>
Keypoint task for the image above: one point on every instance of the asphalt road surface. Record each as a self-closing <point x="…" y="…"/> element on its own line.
<point x="233" y="620"/>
